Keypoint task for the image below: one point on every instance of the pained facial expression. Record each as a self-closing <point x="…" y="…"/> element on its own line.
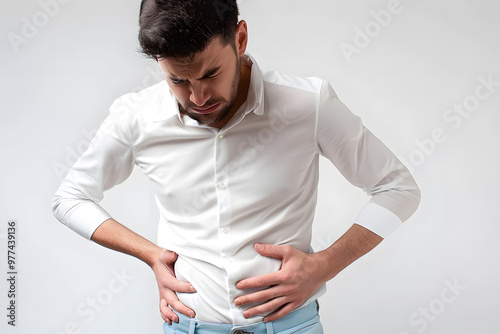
<point x="206" y="87"/>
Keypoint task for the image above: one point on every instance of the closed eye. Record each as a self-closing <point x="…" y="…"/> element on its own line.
<point x="177" y="81"/>
<point x="211" y="76"/>
<point x="213" y="73"/>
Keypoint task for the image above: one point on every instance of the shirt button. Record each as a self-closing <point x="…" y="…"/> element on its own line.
<point x="225" y="230"/>
<point x="222" y="186"/>
<point x="221" y="136"/>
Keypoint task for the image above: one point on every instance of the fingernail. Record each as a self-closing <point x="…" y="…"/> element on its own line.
<point x="259" y="246"/>
<point x="192" y="289"/>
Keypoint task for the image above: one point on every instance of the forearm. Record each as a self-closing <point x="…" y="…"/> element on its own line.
<point x="356" y="242"/>
<point x="114" y="235"/>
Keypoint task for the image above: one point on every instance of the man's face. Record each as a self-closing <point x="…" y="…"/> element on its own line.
<point x="206" y="87"/>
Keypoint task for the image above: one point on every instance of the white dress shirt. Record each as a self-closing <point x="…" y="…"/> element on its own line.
<point x="221" y="191"/>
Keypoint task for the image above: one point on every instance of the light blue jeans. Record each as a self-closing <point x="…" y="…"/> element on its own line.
<point x="302" y="321"/>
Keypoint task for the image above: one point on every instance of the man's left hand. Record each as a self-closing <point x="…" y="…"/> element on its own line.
<point x="300" y="275"/>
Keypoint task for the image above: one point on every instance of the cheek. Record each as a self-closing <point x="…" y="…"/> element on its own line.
<point x="223" y="87"/>
<point x="180" y="93"/>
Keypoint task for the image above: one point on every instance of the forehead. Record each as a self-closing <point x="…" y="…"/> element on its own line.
<point x="215" y="55"/>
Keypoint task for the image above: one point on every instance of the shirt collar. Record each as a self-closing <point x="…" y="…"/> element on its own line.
<point x="255" y="97"/>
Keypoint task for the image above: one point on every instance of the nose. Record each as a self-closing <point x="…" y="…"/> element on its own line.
<point x="199" y="94"/>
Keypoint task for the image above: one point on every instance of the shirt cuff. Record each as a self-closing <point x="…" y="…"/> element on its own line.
<point x="87" y="218"/>
<point x="378" y="219"/>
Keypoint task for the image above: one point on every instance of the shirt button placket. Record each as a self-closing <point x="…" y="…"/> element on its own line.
<point x="223" y="194"/>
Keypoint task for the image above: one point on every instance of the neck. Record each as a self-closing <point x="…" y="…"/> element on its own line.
<point x="243" y="87"/>
<point x="242" y="93"/>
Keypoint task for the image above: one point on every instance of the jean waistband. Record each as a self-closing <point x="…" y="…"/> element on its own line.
<point x="290" y="320"/>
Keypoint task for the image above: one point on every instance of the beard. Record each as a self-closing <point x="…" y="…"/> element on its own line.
<point x="225" y="105"/>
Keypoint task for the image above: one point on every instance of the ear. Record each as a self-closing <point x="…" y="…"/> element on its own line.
<point x="241" y="37"/>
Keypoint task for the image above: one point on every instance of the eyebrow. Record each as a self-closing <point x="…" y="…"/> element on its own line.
<point x="207" y="74"/>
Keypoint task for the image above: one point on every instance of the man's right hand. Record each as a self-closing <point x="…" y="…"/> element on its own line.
<point x="168" y="285"/>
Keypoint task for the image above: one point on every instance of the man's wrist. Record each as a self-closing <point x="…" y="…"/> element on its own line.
<point x="328" y="263"/>
<point x="356" y="242"/>
<point x="152" y="257"/>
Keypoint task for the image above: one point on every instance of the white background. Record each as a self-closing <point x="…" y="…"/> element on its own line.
<point x="56" y="86"/>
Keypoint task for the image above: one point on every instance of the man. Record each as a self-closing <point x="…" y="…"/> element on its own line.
<point x="233" y="153"/>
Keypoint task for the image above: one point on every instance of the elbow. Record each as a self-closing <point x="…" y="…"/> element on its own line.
<point x="402" y="198"/>
<point x="412" y="197"/>
<point x="57" y="201"/>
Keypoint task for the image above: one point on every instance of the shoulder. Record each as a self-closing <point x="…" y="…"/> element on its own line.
<point x="292" y="82"/>
<point x="150" y="103"/>
<point x="299" y="95"/>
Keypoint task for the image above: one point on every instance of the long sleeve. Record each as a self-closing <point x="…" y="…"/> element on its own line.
<point x="107" y="162"/>
<point x="367" y="163"/>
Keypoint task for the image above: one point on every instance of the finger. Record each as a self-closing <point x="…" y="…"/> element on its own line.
<point x="177" y="285"/>
<point x="265" y="308"/>
<point x="268" y="250"/>
<point x="168" y="321"/>
<point x="169" y="258"/>
<point x="166" y="312"/>
<point x="258" y="297"/>
<point x="173" y="301"/>
<point x="279" y="313"/>
<point x="260" y="281"/>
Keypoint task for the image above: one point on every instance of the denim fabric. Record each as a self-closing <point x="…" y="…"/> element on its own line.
<point x="302" y="321"/>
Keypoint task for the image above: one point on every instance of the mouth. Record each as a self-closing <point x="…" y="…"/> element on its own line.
<point x="206" y="110"/>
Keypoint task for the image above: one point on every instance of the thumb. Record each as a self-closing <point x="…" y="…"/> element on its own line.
<point x="168" y="258"/>
<point x="268" y="250"/>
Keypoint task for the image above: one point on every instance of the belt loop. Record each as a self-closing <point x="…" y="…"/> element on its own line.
<point x="270" y="327"/>
<point x="192" y="326"/>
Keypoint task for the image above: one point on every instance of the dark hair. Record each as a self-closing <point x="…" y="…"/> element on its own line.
<point x="181" y="28"/>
